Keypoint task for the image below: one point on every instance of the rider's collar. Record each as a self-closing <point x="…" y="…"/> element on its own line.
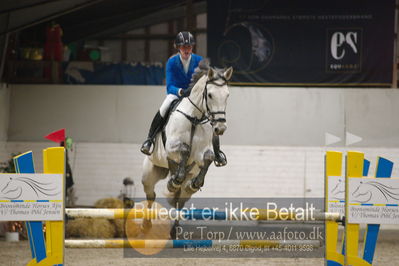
<point x="184" y="61"/>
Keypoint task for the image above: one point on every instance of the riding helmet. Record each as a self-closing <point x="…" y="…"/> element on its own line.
<point x="184" y="38"/>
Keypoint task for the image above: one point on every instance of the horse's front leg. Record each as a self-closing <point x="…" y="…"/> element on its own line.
<point x="198" y="181"/>
<point x="177" y="161"/>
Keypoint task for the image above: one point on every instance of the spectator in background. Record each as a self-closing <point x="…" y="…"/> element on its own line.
<point x="53" y="51"/>
<point x="53" y="47"/>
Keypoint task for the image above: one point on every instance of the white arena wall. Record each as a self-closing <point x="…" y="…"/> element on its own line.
<point x="256" y="116"/>
<point x="274" y="142"/>
<point x="252" y="171"/>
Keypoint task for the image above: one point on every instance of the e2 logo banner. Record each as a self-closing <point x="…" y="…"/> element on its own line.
<point x="343" y="50"/>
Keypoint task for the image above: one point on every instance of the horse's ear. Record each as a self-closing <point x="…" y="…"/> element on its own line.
<point x="211" y="73"/>
<point x="228" y="73"/>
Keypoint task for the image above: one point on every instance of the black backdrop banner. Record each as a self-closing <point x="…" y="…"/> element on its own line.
<point x="303" y="43"/>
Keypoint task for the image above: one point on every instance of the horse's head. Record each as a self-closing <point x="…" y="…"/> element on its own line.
<point x="216" y="93"/>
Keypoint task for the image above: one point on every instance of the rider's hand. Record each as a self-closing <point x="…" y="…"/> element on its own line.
<point x="184" y="93"/>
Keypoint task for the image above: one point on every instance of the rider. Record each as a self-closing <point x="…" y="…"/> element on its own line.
<point x="179" y="70"/>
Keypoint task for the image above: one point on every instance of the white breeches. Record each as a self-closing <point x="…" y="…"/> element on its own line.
<point x="166" y="103"/>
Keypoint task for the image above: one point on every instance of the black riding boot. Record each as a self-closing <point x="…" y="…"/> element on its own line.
<point x="156" y="125"/>
<point x="220" y="157"/>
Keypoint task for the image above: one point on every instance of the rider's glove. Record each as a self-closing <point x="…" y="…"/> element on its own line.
<point x="184" y="93"/>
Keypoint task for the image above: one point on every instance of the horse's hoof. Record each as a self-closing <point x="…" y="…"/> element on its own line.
<point x="146" y="147"/>
<point x="146" y="225"/>
<point x="190" y="189"/>
<point x="172" y="187"/>
<point x="220" y="159"/>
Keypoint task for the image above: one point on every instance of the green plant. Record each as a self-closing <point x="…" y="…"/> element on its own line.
<point x="8" y="167"/>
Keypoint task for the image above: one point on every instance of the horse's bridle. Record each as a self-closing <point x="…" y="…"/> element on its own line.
<point x="208" y="115"/>
<point x="205" y="95"/>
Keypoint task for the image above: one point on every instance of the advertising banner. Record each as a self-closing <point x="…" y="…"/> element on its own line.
<point x="303" y="43"/>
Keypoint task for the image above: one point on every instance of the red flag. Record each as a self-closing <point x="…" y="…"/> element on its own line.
<point x="57" y="136"/>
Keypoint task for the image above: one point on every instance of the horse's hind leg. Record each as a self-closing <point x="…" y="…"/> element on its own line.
<point x="197" y="182"/>
<point x="151" y="175"/>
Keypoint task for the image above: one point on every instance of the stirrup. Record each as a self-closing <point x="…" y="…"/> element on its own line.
<point x="146" y="147"/>
<point x="220" y="159"/>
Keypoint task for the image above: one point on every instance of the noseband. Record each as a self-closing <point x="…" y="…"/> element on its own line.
<point x="208" y="115"/>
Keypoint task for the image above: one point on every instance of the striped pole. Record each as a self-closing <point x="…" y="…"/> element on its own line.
<point x="200" y="214"/>
<point x="160" y="243"/>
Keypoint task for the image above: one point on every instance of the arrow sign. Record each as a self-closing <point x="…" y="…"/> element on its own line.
<point x="351" y="139"/>
<point x="331" y="139"/>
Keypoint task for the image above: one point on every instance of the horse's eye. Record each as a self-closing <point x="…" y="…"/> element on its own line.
<point x="209" y="96"/>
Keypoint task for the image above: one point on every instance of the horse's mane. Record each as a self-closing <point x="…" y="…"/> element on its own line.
<point x="200" y="70"/>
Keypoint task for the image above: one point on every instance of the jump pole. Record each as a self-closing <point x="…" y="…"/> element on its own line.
<point x="164" y="243"/>
<point x="199" y="214"/>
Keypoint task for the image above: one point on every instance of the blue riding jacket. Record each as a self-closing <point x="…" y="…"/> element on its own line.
<point x="176" y="78"/>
